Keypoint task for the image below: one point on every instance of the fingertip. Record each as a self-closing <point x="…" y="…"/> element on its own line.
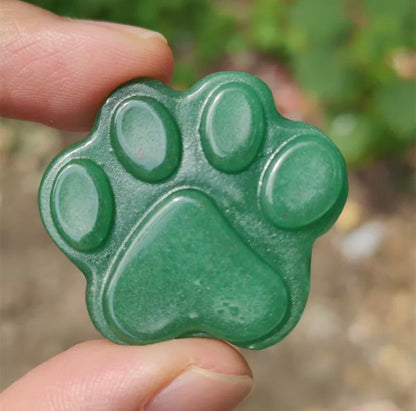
<point x="59" y="71"/>
<point x="108" y="376"/>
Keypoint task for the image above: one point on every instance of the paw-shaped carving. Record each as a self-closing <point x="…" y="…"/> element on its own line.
<point x="194" y="213"/>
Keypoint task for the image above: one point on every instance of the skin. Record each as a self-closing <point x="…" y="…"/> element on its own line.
<point x="58" y="72"/>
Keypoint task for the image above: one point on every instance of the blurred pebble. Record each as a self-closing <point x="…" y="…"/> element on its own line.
<point x="363" y="242"/>
<point x="398" y="364"/>
<point x="401" y="315"/>
<point x="376" y="406"/>
<point x="320" y="323"/>
<point x="357" y="376"/>
<point x="404" y="63"/>
<point x="350" y="217"/>
<point x="365" y="328"/>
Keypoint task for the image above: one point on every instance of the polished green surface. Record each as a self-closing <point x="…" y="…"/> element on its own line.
<point x="302" y="183"/>
<point x="169" y="242"/>
<point x="146" y="139"/>
<point x="82" y="205"/>
<point x="232" y="128"/>
<point x="194" y="213"/>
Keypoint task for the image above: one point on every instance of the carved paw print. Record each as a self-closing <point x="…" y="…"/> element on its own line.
<point x="194" y="213"/>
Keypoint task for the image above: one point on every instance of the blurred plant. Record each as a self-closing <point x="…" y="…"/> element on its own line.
<point x="345" y="54"/>
<point x="355" y="57"/>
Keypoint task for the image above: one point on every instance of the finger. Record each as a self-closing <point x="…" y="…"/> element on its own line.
<point x="189" y="374"/>
<point x="59" y="71"/>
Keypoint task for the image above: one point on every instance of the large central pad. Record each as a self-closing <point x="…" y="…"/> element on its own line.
<point x="185" y="270"/>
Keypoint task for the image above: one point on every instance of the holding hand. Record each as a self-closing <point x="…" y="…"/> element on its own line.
<point x="58" y="72"/>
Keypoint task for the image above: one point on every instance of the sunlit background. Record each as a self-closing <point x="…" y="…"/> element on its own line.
<point x="346" y="66"/>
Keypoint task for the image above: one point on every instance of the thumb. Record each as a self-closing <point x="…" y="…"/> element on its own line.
<point x="188" y="374"/>
<point x="59" y="71"/>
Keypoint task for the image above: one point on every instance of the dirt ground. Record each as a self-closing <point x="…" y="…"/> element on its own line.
<point x="353" y="346"/>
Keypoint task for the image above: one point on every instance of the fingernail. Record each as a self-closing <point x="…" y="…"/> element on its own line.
<point x="201" y="390"/>
<point x="138" y="31"/>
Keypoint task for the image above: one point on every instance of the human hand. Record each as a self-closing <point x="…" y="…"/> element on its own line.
<point x="58" y="72"/>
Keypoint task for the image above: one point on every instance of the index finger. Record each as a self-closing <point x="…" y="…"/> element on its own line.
<point x="58" y="71"/>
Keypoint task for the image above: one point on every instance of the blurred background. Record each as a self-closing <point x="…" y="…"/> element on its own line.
<point x="346" y="66"/>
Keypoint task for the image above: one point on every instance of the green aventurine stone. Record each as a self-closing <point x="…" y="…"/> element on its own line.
<point x="194" y="213"/>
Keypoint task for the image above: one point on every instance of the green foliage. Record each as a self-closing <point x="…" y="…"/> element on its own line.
<point x="321" y="22"/>
<point x="340" y="51"/>
<point x="326" y="74"/>
<point x="355" y="134"/>
<point x="267" y="25"/>
<point x="394" y="104"/>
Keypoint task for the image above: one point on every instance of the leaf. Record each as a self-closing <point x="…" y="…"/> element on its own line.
<point x="325" y="74"/>
<point x="355" y="135"/>
<point x="323" y="21"/>
<point x="395" y="103"/>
